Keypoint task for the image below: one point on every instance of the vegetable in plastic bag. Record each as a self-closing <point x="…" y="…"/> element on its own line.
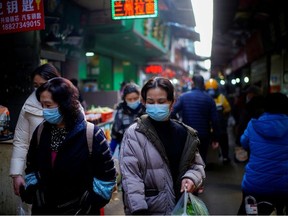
<point x="190" y="204"/>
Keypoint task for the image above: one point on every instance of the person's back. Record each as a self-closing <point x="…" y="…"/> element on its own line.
<point x="198" y="110"/>
<point x="266" y="174"/>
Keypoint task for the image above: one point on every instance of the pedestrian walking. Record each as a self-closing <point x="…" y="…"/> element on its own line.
<point x="223" y="111"/>
<point x="198" y="110"/>
<point x="126" y="112"/>
<point x="159" y="156"/>
<point x="265" y="177"/>
<point x="30" y="117"/>
<point x="63" y="175"/>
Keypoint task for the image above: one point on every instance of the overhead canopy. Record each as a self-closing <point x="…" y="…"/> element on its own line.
<point x="192" y="56"/>
<point x="182" y="31"/>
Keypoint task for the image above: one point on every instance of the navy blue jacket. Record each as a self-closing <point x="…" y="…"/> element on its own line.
<point x="73" y="170"/>
<point x="198" y="110"/>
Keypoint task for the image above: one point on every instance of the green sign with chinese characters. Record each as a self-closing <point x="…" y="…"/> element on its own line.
<point x="131" y="9"/>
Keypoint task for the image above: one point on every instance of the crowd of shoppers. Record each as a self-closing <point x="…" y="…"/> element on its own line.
<point x="163" y="151"/>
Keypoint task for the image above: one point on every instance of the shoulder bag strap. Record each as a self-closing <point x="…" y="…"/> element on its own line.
<point x="89" y="135"/>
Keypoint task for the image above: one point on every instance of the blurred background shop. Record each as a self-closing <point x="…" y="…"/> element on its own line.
<point x="102" y="45"/>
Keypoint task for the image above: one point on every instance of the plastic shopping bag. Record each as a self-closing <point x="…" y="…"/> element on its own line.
<point x="22" y="208"/>
<point x="190" y="204"/>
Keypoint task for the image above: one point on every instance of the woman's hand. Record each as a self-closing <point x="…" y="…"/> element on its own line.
<point x="18" y="181"/>
<point x="188" y="184"/>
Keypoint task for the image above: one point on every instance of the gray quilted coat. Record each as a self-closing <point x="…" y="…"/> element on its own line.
<point x="146" y="179"/>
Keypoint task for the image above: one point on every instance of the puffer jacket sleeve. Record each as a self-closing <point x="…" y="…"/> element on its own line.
<point x="244" y="140"/>
<point x="196" y="165"/>
<point x="22" y="135"/>
<point x="29" y="118"/>
<point x="20" y="145"/>
<point x="131" y="155"/>
<point x="196" y="172"/>
<point x="104" y="173"/>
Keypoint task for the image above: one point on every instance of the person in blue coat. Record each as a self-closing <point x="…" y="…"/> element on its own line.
<point x="266" y="173"/>
<point x="197" y="109"/>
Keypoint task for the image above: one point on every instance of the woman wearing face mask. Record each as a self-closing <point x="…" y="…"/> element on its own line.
<point x="127" y="111"/>
<point x="30" y="117"/>
<point x="159" y="157"/>
<point x="72" y="179"/>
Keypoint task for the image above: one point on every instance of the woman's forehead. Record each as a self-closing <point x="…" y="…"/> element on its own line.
<point x="156" y="93"/>
<point x="46" y="96"/>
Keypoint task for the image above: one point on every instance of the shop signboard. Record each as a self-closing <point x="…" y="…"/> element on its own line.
<point x="164" y="71"/>
<point x="131" y="9"/>
<point x="21" y="15"/>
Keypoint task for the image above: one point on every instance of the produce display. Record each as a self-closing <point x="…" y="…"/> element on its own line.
<point x="99" y="114"/>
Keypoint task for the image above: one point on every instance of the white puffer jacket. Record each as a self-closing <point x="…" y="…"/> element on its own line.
<point x="30" y="117"/>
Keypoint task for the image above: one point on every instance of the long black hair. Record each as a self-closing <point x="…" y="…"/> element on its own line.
<point x="65" y="94"/>
<point x="46" y="71"/>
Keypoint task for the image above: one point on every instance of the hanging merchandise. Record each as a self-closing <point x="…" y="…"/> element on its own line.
<point x="5" y="133"/>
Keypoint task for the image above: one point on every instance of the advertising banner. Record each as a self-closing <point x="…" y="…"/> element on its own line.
<point x="21" y="15"/>
<point x="131" y="9"/>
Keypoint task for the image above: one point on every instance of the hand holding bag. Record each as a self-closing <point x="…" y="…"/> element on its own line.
<point x="190" y="204"/>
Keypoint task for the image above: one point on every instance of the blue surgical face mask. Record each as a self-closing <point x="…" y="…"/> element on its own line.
<point x="158" y="112"/>
<point x="133" y="105"/>
<point x="52" y="115"/>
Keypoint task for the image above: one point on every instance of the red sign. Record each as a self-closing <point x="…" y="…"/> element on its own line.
<point x="154" y="69"/>
<point x="159" y="70"/>
<point x="21" y="15"/>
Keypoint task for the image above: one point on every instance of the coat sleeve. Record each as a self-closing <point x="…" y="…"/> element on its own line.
<point x="104" y="172"/>
<point x="26" y="124"/>
<point x="244" y="139"/>
<point x="31" y="162"/>
<point x="196" y="172"/>
<point x="20" y="145"/>
<point x="132" y="177"/>
<point x="195" y="164"/>
<point x="117" y="127"/>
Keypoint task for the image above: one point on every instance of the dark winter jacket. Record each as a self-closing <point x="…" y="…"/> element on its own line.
<point x="267" y="170"/>
<point x="73" y="171"/>
<point x="198" y="110"/>
<point x="124" y="117"/>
